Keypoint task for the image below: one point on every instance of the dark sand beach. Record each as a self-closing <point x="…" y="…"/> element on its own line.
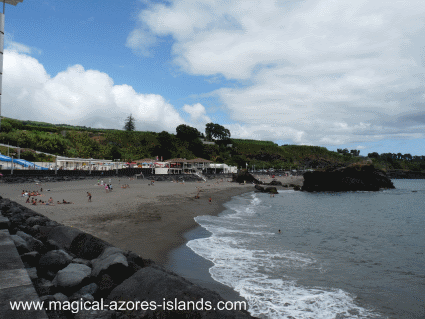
<point x="148" y="220"/>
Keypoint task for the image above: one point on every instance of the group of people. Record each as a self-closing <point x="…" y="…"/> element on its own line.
<point x="108" y="187"/>
<point x="33" y="201"/>
<point x="33" y="193"/>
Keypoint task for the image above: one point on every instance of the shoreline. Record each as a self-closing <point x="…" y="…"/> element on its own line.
<point x="148" y="220"/>
<point x="151" y="221"/>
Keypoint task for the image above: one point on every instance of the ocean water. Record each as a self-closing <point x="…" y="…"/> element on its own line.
<point x="339" y="255"/>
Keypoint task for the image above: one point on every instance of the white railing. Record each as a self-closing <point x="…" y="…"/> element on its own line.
<point x="201" y="176"/>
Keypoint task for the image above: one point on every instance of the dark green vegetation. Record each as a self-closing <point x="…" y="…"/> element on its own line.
<point x="392" y="161"/>
<point x="84" y="142"/>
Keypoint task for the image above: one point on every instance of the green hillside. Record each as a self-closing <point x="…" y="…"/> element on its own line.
<point x="85" y="142"/>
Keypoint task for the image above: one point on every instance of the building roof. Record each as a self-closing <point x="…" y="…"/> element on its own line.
<point x="13" y="2"/>
<point x="145" y="160"/>
<point x="177" y="160"/>
<point x="199" y="160"/>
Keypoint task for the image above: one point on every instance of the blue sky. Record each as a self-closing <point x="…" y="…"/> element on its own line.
<point x="339" y="74"/>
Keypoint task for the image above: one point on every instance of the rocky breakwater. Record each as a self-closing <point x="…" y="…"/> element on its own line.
<point x="73" y="267"/>
<point x="350" y="178"/>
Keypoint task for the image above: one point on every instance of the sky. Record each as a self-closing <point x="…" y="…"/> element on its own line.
<point x="332" y="73"/>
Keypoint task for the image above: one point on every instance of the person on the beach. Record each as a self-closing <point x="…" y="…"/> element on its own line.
<point x="28" y="199"/>
<point x="88" y="195"/>
<point x="50" y="200"/>
<point x="106" y="188"/>
<point x="98" y="182"/>
<point x="210" y="200"/>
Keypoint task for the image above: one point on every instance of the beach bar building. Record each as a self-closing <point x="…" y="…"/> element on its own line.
<point x="184" y="166"/>
<point x="69" y="163"/>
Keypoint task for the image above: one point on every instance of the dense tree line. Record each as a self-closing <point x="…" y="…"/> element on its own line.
<point x="187" y="142"/>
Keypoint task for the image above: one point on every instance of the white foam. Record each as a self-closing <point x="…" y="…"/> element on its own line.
<point x="252" y="271"/>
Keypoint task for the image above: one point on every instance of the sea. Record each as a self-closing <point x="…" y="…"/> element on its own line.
<point x="338" y="255"/>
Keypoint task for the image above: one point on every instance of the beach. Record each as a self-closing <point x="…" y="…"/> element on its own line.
<point x="149" y="220"/>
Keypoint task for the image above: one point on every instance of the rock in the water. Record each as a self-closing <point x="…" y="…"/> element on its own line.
<point x="270" y="190"/>
<point x="274" y="182"/>
<point x="352" y="178"/>
<point x="71" y="276"/>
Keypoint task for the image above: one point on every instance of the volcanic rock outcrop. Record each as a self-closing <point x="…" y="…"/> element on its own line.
<point x="350" y="178"/>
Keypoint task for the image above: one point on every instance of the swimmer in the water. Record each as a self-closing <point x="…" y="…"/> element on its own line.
<point x="279" y="231"/>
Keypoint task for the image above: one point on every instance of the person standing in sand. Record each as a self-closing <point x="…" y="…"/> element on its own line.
<point x="210" y="200"/>
<point x="88" y="195"/>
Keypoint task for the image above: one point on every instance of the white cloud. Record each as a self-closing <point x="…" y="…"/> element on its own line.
<point x="319" y="71"/>
<point x="79" y="97"/>
<point x="197" y="113"/>
<point x="139" y="40"/>
<point x="11" y="45"/>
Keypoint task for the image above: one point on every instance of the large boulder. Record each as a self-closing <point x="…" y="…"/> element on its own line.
<point x="110" y="269"/>
<point x="21" y="244"/>
<point x="352" y="178"/>
<point x="63" y="235"/>
<point x="110" y="257"/>
<point x="87" y="246"/>
<point x="270" y="190"/>
<point x="244" y="176"/>
<point x="33" y="244"/>
<point x="153" y="284"/>
<point x="71" y="277"/>
<point x="53" y="261"/>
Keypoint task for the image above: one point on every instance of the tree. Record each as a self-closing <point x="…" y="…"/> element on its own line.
<point x="129" y="124"/>
<point x="187" y="133"/>
<point x="216" y="131"/>
<point x="373" y="155"/>
<point x="166" y="144"/>
<point x="355" y="152"/>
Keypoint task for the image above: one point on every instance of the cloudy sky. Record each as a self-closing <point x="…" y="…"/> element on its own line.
<point x="334" y="73"/>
